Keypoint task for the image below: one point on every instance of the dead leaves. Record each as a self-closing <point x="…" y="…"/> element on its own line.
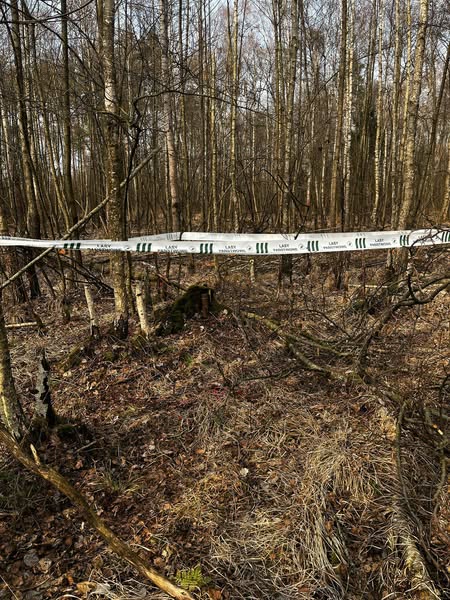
<point x="85" y="587"/>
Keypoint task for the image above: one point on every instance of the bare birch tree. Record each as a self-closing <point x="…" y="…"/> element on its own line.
<point x="113" y="157"/>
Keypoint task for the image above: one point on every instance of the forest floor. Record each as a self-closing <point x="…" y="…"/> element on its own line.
<point x="227" y="463"/>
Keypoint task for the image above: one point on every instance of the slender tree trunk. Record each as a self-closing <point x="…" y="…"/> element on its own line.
<point x="213" y="128"/>
<point x="445" y="215"/>
<point x="432" y="140"/>
<point x="277" y="163"/>
<point x="348" y="122"/>
<point x="112" y="136"/>
<point x="9" y="263"/>
<point x="11" y="413"/>
<point x="185" y="161"/>
<point x="395" y="151"/>
<point x="168" y="125"/>
<point x="380" y="117"/>
<point x="33" y="221"/>
<point x="7" y="159"/>
<point x="335" y="198"/>
<point x="289" y="125"/>
<point x="50" y="151"/>
<point x="411" y="121"/>
<point x="67" y="131"/>
<point x="234" y="57"/>
<point x="402" y="150"/>
<point x="67" y="146"/>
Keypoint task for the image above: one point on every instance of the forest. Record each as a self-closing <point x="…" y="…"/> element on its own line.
<point x="224" y="299"/>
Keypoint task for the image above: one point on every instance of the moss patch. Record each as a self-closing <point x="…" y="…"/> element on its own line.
<point x="185" y="307"/>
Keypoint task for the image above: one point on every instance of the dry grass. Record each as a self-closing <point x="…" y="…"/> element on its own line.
<point x="280" y="483"/>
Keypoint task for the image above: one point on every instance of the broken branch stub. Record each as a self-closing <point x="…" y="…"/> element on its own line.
<point x="93" y="323"/>
<point x="43" y="408"/>
<point x="141" y="307"/>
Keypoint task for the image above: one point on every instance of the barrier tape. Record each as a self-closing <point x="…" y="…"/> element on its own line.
<point x="249" y="244"/>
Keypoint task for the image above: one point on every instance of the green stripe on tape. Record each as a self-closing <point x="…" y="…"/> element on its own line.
<point x="360" y="243"/>
<point x="206" y="248"/>
<point x="143" y="247"/>
<point x="313" y="246"/>
<point x="404" y="240"/>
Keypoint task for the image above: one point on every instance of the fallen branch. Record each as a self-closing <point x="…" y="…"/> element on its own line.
<point x="414" y="561"/>
<point x="82" y="270"/>
<point x="19" y="325"/>
<point x="308" y="364"/>
<point x="303" y="337"/>
<point x="121" y="548"/>
<point x="81" y="222"/>
<point x="292" y="341"/>
<point x="407" y="299"/>
<point x="415" y="565"/>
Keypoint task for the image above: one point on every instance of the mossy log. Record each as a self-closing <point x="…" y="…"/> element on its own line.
<point x="197" y="299"/>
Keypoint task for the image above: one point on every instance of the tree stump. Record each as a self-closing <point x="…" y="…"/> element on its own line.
<point x="197" y="299"/>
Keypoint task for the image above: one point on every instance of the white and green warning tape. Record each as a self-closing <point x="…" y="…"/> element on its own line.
<point x="249" y="244"/>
